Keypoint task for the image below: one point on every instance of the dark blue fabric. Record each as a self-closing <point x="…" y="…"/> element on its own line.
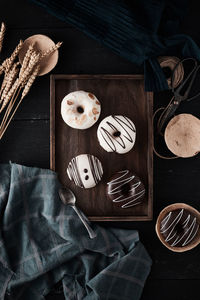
<point x="138" y="30"/>
<point x="43" y="241"/>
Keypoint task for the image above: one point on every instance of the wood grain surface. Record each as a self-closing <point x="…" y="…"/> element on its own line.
<point x="173" y="276"/>
<point x="119" y="95"/>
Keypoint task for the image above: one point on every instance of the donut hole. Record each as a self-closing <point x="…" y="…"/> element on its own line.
<point x="125" y="189"/>
<point x="117" y="134"/>
<point x="167" y="72"/>
<point x="80" y="109"/>
<point x="179" y="228"/>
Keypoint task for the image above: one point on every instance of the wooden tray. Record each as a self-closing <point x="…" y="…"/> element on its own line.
<point x="119" y="95"/>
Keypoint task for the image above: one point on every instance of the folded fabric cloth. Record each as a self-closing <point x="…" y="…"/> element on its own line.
<point x="42" y="241"/>
<point x="138" y="30"/>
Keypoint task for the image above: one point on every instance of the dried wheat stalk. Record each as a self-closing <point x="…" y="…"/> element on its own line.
<point x="10" y="94"/>
<point x="7" y="64"/>
<point x="27" y="87"/>
<point x="30" y="81"/>
<point x="2" y="33"/>
<point x="50" y="50"/>
<point x="8" y="81"/>
<point x="26" y="59"/>
<point x="8" y="111"/>
<point x="33" y="61"/>
<point x="17" y="80"/>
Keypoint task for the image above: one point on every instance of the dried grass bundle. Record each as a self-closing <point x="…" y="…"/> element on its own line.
<point x="18" y="79"/>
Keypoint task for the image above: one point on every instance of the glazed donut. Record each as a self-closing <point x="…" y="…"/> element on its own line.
<point x="80" y="109"/>
<point x="85" y="170"/>
<point x="125" y="189"/>
<point x="179" y="227"/>
<point x="116" y="134"/>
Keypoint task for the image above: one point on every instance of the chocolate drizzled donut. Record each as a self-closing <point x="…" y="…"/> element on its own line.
<point x="179" y="227"/>
<point x="126" y="189"/>
<point x="116" y="134"/>
<point x="85" y="170"/>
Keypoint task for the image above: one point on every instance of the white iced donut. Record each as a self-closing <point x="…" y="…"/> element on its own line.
<point x="116" y="134"/>
<point x="80" y="109"/>
<point x="85" y="170"/>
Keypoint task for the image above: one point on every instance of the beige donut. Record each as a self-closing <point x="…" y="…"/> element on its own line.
<point x="80" y="109"/>
<point x="182" y="135"/>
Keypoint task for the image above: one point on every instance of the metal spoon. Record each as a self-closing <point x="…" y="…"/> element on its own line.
<point x="68" y="198"/>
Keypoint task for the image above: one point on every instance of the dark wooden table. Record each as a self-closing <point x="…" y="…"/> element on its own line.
<point x="173" y="276"/>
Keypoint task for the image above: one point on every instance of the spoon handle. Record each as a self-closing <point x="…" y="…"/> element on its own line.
<point x="91" y="233"/>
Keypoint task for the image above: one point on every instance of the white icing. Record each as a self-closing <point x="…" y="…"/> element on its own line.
<point x="85" y="170"/>
<point x="175" y="222"/>
<point x="131" y="200"/>
<point x="165" y="220"/>
<point x="120" y="144"/>
<point x="183" y="223"/>
<point x="70" y="114"/>
<point x="178" y="239"/>
<point x="187" y="241"/>
<point x="186" y="221"/>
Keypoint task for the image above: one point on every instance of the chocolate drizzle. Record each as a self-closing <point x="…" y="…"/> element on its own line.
<point x="179" y="227"/>
<point x="95" y="168"/>
<point x="77" y="167"/>
<point x="73" y="172"/>
<point x="127" y="188"/>
<point x="124" y="124"/>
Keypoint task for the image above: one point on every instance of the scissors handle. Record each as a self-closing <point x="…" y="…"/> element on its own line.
<point x="181" y="93"/>
<point x="167" y="113"/>
<point x="187" y="82"/>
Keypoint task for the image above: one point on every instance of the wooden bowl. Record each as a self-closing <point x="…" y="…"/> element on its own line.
<point x="161" y="216"/>
<point x="41" y="43"/>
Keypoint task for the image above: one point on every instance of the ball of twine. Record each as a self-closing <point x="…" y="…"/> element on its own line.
<point x="170" y="62"/>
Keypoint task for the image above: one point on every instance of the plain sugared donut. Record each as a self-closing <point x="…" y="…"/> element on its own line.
<point x="125" y="189"/>
<point x="85" y="170"/>
<point x="116" y="134"/>
<point x="80" y="109"/>
<point x="179" y="227"/>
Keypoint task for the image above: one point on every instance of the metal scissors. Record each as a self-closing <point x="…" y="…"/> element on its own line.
<point x="180" y="93"/>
